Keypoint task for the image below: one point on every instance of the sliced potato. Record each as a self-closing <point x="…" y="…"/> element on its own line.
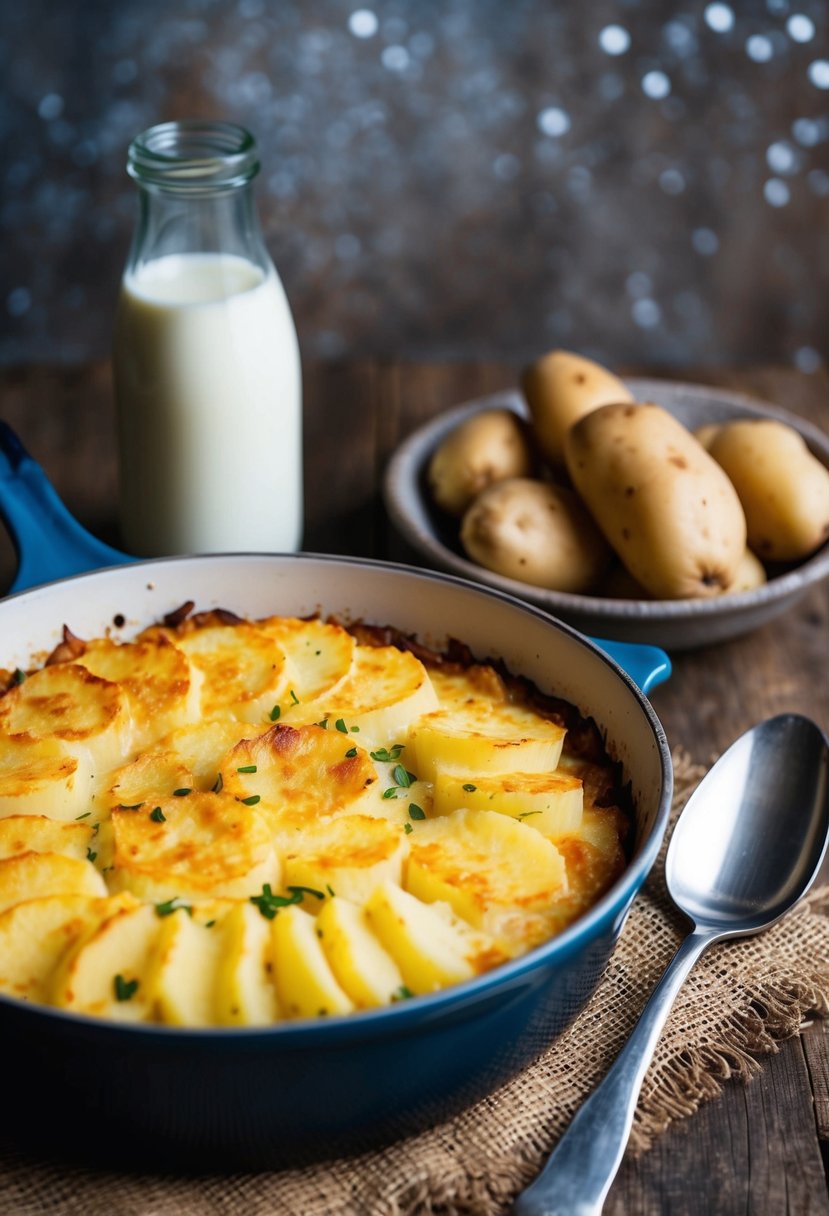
<point x="183" y="971"/>
<point x="482" y="863"/>
<point x="549" y="802"/>
<point x="305" y="984"/>
<point x="35" y="934"/>
<point x="477" y="737"/>
<point x="244" y="994"/>
<point x="105" y="972"/>
<point x="363" y="967"/>
<point x="42" y="777"/>
<point x="28" y="875"/>
<point x="347" y="856"/>
<point x="426" y="947"/>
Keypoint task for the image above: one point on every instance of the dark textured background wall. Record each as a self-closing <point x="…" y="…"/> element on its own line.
<point x="645" y="182"/>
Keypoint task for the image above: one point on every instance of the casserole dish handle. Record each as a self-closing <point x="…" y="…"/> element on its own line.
<point x="48" y="540"/>
<point x="647" y="666"/>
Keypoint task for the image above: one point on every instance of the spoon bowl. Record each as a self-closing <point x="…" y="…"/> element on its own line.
<point x="753" y="834"/>
<point x="747" y="847"/>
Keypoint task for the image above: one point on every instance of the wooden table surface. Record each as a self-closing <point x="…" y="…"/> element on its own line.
<point x="761" y="1148"/>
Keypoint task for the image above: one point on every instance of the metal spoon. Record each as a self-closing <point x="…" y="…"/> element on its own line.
<point x="747" y="846"/>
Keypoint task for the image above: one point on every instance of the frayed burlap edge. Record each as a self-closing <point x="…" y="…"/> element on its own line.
<point x="740" y="1002"/>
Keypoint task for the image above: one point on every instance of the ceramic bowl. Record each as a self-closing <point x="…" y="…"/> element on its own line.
<point x="164" y="1097"/>
<point x="674" y="624"/>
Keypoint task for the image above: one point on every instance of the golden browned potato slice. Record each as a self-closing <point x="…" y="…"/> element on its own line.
<point x="305" y="984"/>
<point x="162" y="687"/>
<point x="384" y="691"/>
<point x="105" y="972"/>
<point x="300" y="775"/>
<point x="29" y="875"/>
<point x="41" y="777"/>
<point x="245" y="672"/>
<point x="35" y="934"/>
<point x="549" y="802"/>
<point x="41" y="834"/>
<point x="362" y="966"/>
<point x="320" y="653"/>
<point x="194" y="844"/>
<point x="481" y="738"/>
<point x="348" y="856"/>
<point x="88" y="715"/>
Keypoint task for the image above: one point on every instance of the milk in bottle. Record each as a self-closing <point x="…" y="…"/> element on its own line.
<point x="206" y="359"/>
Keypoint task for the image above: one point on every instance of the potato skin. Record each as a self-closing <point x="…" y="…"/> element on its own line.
<point x="560" y="388"/>
<point x="485" y="448"/>
<point x="537" y="533"/>
<point x="784" y="489"/>
<point x="665" y="506"/>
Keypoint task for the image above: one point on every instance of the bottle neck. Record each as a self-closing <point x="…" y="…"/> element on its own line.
<point x="195" y="193"/>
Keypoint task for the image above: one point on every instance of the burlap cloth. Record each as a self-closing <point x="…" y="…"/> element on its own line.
<point x="741" y="1000"/>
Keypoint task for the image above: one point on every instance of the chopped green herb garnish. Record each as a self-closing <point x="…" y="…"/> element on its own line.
<point x="391" y="792"/>
<point x="173" y="905"/>
<point x="218" y="784"/>
<point x="125" y="990"/>
<point x="323" y="724"/>
<point x="19" y="676"/>
<point x="85" y="815"/>
<point x="157" y="815"/>
<point x="252" y="800"/>
<point x="416" y="812"/>
<point x="355" y="730"/>
<point x="402" y="776"/>
<point x="269" y="904"/>
<point x="387" y="755"/>
<point x="275" y="712"/>
<point x="351" y="753"/>
<point x="90" y="856"/>
<point x="403" y="994"/>
<point x="341" y="726"/>
<point x="183" y="792"/>
<point x="329" y="889"/>
<point x="294" y="698"/>
<point x="247" y="768"/>
<point x="408" y="829"/>
<point x="129" y="806"/>
<point x="208" y="924"/>
<point x="470" y="788"/>
<point x="526" y="814"/>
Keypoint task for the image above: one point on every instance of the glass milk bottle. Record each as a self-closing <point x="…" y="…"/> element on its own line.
<point x="206" y="361"/>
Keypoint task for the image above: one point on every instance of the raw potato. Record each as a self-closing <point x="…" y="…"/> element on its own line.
<point x="486" y="448"/>
<point x="707" y="434"/>
<point x="537" y="533"/>
<point x="666" y="507"/>
<point x="619" y="583"/>
<point x="560" y="388"/>
<point x="751" y="574"/>
<point x="784" y="489"/>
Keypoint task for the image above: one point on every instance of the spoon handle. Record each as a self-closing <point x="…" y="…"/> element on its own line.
<point x="581" y="1168"/>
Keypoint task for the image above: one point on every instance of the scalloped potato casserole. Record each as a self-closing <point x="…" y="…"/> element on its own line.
<point x="227" y="822"/>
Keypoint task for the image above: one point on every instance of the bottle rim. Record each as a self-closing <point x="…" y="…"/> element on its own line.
<point x="193" y="155"/>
